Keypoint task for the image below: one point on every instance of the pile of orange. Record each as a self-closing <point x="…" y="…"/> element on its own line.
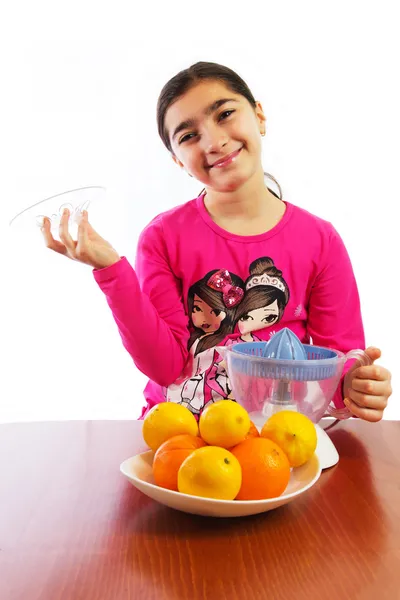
<point x="224" y="456"/>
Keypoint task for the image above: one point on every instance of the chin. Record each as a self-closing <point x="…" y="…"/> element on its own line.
<point x="231" y="185"/>
<point x="233" y="182"/>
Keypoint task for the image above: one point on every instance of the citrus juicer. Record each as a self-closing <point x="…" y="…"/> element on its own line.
<point x="284" y="374"/>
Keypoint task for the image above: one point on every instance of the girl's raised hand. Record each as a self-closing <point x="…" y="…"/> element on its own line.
<point x="90" y="248"/>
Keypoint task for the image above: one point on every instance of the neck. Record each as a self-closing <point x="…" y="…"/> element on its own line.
<point x="252" y="208"/>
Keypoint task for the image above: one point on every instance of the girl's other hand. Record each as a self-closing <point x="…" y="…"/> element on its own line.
<point x="90" y="248"/>
<point x="368" y="389"/>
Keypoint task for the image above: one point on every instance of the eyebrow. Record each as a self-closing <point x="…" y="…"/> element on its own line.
<point x="208" y="111"/>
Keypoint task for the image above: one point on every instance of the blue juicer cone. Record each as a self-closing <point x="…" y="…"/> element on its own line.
<point x="284" y="357"/>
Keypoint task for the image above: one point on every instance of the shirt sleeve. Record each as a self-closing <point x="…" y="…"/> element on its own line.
<point x="334" y="312"/>
<point x="147" y="307"/>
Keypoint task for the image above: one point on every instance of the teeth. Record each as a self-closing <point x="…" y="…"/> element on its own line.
<point x="222" y="162"/>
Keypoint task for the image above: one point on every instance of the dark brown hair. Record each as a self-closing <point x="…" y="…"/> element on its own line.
<point x="214" y="299"/>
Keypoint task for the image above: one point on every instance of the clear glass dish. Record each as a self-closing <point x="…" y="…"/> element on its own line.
<point x="76" y="200"/>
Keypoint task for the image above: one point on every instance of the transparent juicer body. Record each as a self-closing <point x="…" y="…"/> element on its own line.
<point x="264" y="386"/>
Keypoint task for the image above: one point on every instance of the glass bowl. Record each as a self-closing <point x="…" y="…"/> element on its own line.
<point x="76" y="200"/>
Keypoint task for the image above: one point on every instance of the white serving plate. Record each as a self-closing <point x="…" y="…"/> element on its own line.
<point x="138" y="470"/>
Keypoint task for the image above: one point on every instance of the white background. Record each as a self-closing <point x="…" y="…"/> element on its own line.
<point x="79" y="92"/>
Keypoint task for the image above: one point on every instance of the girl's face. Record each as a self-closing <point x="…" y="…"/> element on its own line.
<point x="215" y="135"/>
<point x="206" y="318"/>
<point x="259" y="318"/>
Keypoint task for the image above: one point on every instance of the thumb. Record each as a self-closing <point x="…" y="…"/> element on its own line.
<point x="373" y="353"/>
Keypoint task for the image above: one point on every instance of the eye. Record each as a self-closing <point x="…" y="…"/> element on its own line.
<point x="216" y="312"/>
<point x="186" y="138"/>
<point x="270" y="318"/>
<point x="246" y="318"/>
<point x="224" y="115"/>
<point x="196" y="309"/>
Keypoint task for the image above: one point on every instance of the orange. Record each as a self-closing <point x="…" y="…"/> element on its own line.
<point x="210" y="472"/>
<point x="265" y="469"/>
<point x="166" y="420"/>
<point x="294" y="433"/>
<point x="252" y="433"/>
<point x="170" y="456"/>
<point x="224" y="423"/>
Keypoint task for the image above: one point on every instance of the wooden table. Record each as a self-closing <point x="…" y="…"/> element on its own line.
<point x="72" y="527"/>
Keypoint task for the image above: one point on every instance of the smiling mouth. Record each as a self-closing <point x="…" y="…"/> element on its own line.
<point x="226" y="160"/>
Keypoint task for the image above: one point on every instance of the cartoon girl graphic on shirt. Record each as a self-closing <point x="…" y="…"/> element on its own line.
<point x="266" y="297"/>
<point x="212" y="305"/>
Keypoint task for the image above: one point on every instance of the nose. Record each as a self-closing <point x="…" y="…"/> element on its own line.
<point x="214" y="139"/>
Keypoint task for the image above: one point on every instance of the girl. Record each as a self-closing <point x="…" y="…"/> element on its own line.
<point x="212" y="126"/>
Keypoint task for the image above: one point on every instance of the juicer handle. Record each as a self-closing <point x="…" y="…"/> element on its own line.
<point x="362" y="360"/>
<point x="361" y="356"/>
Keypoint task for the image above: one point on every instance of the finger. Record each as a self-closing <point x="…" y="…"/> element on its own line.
<point x="82" y="246"/>
<point x="64" y="233"/>
<point x="371" y="387"/>
<point x="373" y="353"/>
<point x="89" y="227"/>
<point x="49" y="239"/>
<point x="375" y="372"/>
<point x="367" y="414"/>
<point x="83" y="230"/>
<point x="367" y="400"/>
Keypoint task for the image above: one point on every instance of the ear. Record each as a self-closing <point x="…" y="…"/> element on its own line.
<point x="261" y="118"/>
<point x="177" y="161"/>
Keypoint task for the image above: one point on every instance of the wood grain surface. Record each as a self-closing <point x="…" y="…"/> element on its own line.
<point x="73" y="528"/>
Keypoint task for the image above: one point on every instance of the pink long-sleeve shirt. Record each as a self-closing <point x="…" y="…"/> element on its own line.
<point x="196" y="286"/>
